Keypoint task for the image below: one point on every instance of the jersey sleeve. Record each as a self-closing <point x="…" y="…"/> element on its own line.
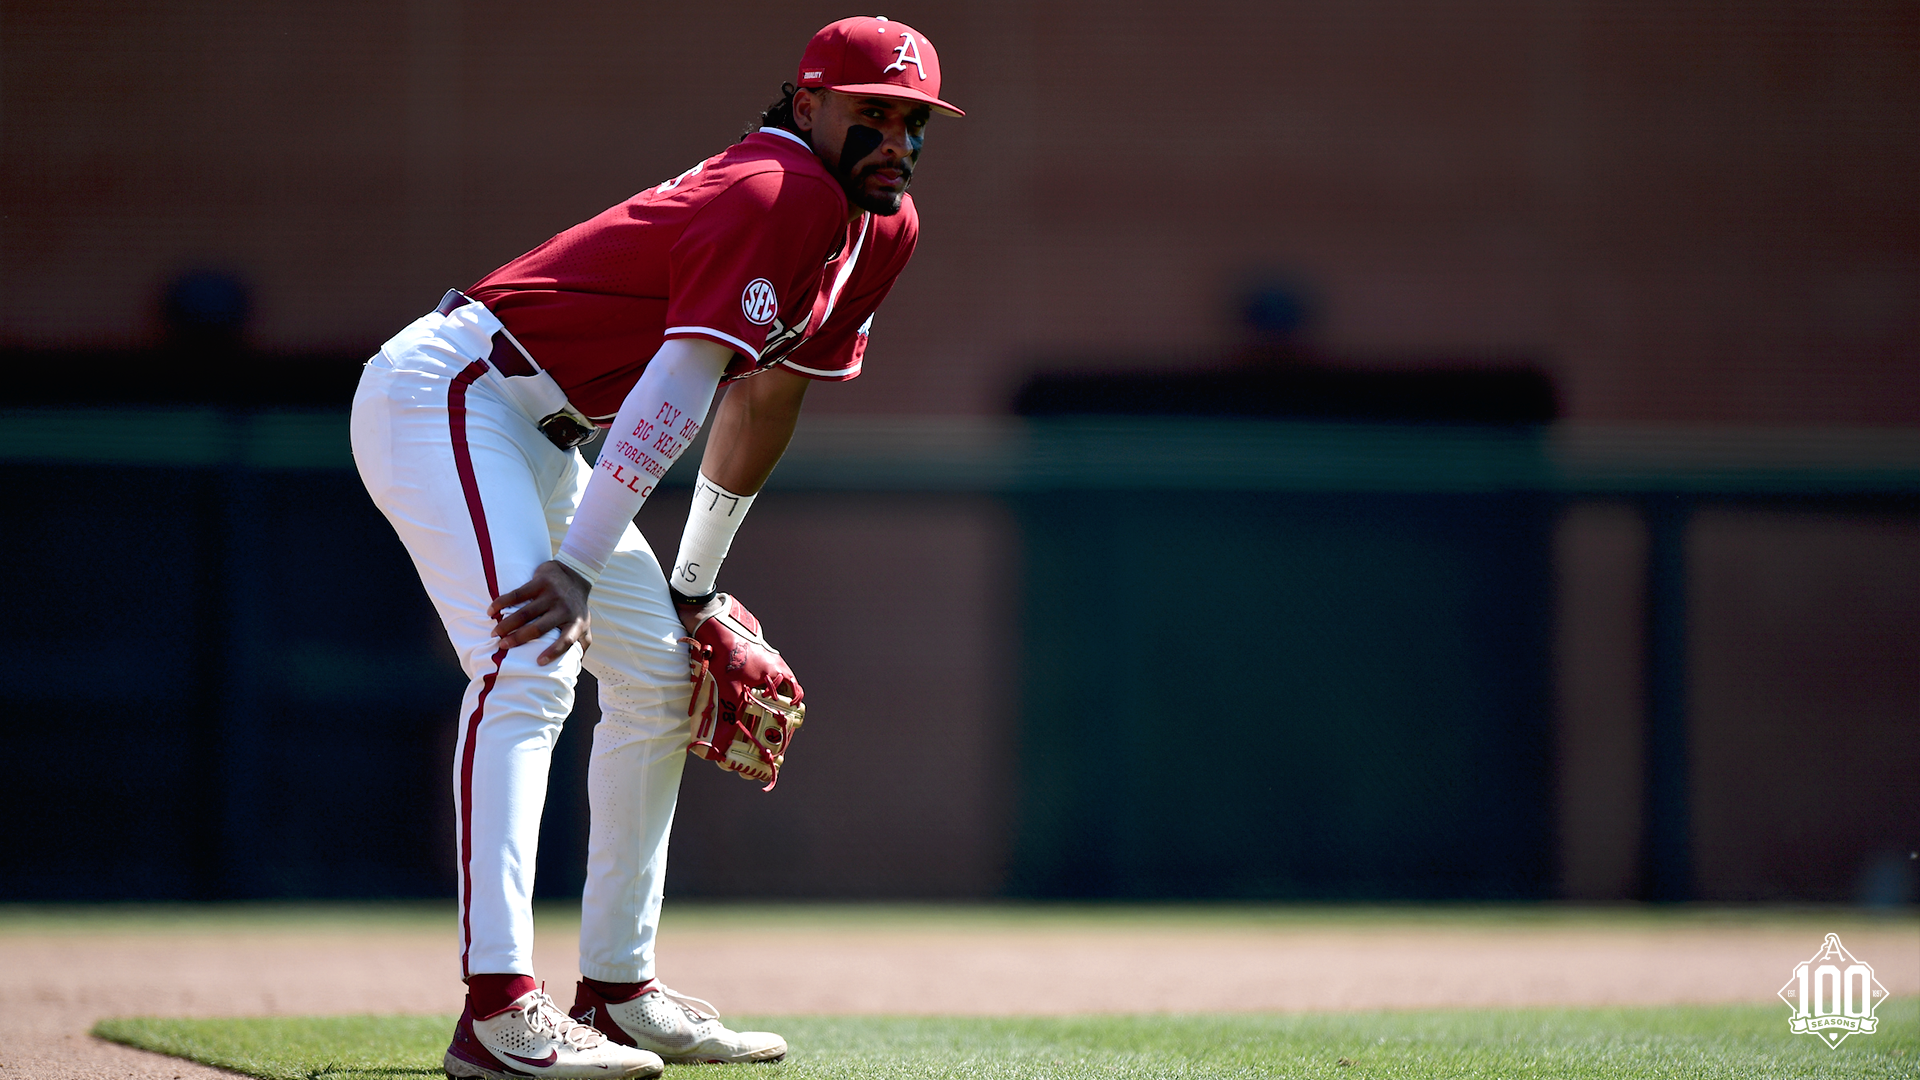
<point x="752" y="253"/>
<point x="838" y="350"/>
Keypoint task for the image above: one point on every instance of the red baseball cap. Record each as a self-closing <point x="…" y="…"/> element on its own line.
<point x="870" y="54"/>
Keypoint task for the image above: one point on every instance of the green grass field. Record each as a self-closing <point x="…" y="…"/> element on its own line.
<point x="1710" y="1042"/>
<point x="1605" y="1044"/>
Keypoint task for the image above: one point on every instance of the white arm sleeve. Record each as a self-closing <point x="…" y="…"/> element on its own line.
<point x="712" y="520"/>
<point x="662" y="414"/>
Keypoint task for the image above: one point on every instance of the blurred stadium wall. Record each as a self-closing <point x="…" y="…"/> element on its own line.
<point x="1695" y="217"/>
<point x="1692" y="212"/>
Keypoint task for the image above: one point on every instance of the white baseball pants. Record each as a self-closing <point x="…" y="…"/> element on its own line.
<point x="480" y="498"/>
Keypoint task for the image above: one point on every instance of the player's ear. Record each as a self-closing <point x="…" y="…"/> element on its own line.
<point x="804" y="102"/>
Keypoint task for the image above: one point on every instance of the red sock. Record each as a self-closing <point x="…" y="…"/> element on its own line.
<point x="489" y="995"/>
<point x="614" y="993"/>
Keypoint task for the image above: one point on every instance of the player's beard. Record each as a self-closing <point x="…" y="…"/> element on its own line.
<point x="861" y="141"/>
<point x="885" y="205"/>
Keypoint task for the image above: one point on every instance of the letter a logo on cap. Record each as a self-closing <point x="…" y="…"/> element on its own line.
<point x="907" y="52"/>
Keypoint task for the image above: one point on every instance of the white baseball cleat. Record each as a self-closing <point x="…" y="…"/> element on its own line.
<point x="670" y="1025"/>
<point x="533" y="1038"/>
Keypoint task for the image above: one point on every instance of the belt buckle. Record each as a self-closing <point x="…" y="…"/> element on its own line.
<point x="564" y="431"/>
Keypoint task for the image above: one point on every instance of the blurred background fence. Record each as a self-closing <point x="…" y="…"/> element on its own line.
<point x="1060" y="657"/>
<point x="1320" y="450"/>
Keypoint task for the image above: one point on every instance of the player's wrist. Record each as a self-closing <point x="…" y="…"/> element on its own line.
<point x="712" y="520"/>
<point x="580" y="571"/>
<point x="697" y="600"/>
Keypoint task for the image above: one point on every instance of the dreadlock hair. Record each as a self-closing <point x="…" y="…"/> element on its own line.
<point x="777" y="115"/>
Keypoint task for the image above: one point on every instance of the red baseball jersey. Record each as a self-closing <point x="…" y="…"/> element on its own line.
<point x="750" y="248"/>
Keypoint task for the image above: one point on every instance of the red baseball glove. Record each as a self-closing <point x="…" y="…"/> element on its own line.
<point x="746" y="701"/>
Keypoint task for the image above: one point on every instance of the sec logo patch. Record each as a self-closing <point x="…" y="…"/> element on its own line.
<point x="758" y="302"/>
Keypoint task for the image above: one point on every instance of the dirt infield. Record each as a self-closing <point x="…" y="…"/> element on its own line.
<point x="59" y="974"/>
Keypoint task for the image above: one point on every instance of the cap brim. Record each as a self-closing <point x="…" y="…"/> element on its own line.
<point x="895" y="90"/>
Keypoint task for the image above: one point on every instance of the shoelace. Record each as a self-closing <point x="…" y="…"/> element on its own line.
<point x="687" y="1002"/>
<point x="546" y="1017"/>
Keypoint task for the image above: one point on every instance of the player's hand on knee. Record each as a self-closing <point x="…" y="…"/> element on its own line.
<point x="556" y="597"/>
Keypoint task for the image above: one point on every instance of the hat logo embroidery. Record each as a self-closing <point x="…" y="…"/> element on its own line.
<point x="907" y="52"/>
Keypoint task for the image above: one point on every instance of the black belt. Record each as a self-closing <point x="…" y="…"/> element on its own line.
<point x="561" y="430"/>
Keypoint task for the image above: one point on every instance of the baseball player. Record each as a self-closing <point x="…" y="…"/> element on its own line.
<point x="765" y="260"/>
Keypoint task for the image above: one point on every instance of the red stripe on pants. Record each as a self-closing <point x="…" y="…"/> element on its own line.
<point x="463" y="464"/>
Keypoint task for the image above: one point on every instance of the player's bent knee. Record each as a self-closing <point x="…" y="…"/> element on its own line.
<point x="519" y="680"/>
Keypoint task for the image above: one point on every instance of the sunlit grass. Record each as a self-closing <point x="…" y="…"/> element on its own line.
<point x="1615" y="1044"/>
